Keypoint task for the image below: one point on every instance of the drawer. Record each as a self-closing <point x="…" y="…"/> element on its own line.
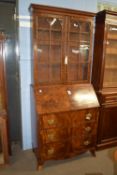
<point x="89" y="141"/>
<point x="111" y="98"/>
<point x="54" y="135"/>
<point x="80" y="117"/>
<point x="90" y="128"/>
<point x="85" y="129"/>
<point x="55" y="120"/>
<point x="55" y="150"/>
<point x="91" y="115"/>
<point x="83" y="142"/>
<point x="77" y="118"/>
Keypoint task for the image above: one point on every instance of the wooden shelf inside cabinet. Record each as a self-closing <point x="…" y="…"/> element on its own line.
<point x="46" y="43"/>
<point x="53" y="38"/>
<point x="80" y="33"/>
<point x="78" y="62"/>
<point x="49" y="34"/>
<point x="49" y="64"/>
<point x="111" y="67"/>
<point x="78" y="43"/>
<point x="112" y="36"/>
<point x="83" y="39"/>
<point x="110" y="84"/>
<point x="111" y="51"/>
<point x="48" y="29"/>
<point x="75" y="42"/>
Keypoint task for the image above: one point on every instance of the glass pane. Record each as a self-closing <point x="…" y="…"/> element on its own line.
<point x="49" y="63"/>
<point x="79" y="30"/>
<point x="77" y="64"/>
<point x="77" y="72"/>
<point x="84" y="52"/>
<point x="55" y="63"/>
<point x="49" y="29"/>
<point x="50" y="41"/>
<point x="43" y="63"/>
<point x="84" y="71"/>
<point x="77" y="25"/>
<point x="73" y="63"/>
<point x="46" y="22"/>
<point x="110" y="73"/>
<point x="73" y="72"/>
<point x="78" y="50"/>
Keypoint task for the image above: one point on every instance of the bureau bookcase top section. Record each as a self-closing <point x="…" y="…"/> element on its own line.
<point x="62" y="45"/>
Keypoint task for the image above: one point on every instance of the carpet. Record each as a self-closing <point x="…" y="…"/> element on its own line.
<point x="24" y="163"/>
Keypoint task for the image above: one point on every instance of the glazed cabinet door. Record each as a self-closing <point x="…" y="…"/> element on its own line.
<point x="110" y="70"/>
<point x="62" y="49"/>
<point x="49" y="40"/>
<point x="79" y="50"/>
<point x="107" y="131"/>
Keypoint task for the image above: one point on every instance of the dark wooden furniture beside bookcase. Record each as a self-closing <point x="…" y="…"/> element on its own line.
<point x="65" y="101"/>
<point x="3" y="107"/>
<point x="104" y="76"/>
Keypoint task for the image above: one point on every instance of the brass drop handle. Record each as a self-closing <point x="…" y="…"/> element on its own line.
<point x="50" y="151"/>
<point x="88" y="128"/>
<point x="51" y="136"/>
<point x="66" y="60"/>
<point x="88" y="116"/>
<point x="51" y="121"/>
<point x="86" y="143"/>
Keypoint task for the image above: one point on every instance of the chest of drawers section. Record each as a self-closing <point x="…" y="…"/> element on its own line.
<point x="66" y="121"/>
<point x="62" y="135"/>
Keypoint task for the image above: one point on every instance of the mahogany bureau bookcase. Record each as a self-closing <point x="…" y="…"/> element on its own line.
<point x="3" y="107"/>
<point x="104" y="76"/>
<point x="65" y="101"/>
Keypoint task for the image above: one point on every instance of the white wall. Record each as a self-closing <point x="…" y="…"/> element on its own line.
<point x="25" y="54"/>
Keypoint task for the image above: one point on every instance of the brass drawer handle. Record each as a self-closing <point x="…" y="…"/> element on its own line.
<point x="50" y="151"/>
<point x="51" y="137"/>
<point x="88" y="116"/>
<point x="86" y="143"/>
<point x="51" y="121"/>
<point x="88" y="128"/>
